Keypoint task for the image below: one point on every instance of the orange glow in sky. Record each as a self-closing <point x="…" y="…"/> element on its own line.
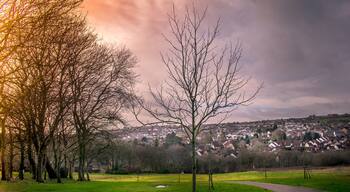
<point x="296" y="48"/>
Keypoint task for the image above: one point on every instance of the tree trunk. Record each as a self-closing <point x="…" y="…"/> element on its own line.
<point x="65" y="160"/>
<point x="87" y="170"/>
<point x="50" y="170"/>
<point x="32" y="163"/>
<point x="21" y="163"/>
<point x="87" y="174"/>
<point x="58" y="173"/>
<point x="71" y="167"/>
<point x="3" y="146"/>
<point x="57" y="160"/>
<point x="210" y="174"/>
<point x="194" y="164"/>
<point x="39" y="168"/>
<point x="10" y="171"/>
<point x="81" y="171"/>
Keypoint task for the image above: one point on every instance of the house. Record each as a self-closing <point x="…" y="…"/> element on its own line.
<point x="199" y="152"/>
<point x="228" y="145"/>
<point x="233" y="155"/>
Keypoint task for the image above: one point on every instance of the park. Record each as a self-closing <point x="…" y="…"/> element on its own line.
<point x="155" y="95"/>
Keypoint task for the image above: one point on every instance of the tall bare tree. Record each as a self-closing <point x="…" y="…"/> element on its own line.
<point x="204" y="82"/>
<point x="101" y="84"/>
<point x="7" y="18"/>
<point x="57" y="82"/>
<point x="58" y="35"/>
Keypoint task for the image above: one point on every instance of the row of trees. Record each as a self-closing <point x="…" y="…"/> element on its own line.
<point x="60" y="87"/>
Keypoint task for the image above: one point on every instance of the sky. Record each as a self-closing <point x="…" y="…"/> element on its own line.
<point x="299" y="50"/>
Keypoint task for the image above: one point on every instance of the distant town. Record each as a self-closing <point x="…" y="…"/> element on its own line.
<point x="311" y="134"/>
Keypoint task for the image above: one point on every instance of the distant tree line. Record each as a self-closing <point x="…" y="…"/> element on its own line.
<point x="137" y="157"/>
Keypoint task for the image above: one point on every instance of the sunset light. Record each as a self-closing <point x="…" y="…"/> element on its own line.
<point x="174" y="95"/>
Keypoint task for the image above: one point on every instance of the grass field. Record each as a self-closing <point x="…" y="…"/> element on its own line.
<point x="330" y="179"/>
<point x="96" y="186"/>
<point x="334" y="180"/>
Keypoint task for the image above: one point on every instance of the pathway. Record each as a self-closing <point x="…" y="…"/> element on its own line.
<point x="277" y="187"/>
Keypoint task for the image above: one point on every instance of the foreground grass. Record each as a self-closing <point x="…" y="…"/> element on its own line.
<point x="330" y="179"/>
<point x="333" y="180"/>
<point x="104" y="186"/>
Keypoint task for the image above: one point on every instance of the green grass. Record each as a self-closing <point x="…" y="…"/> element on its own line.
<point x="333" y="180"/>
<point x="328" y="180"/>
<point x="105" y="186"/>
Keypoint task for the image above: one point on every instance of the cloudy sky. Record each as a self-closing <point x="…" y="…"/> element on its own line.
<point x="299" y="49"/>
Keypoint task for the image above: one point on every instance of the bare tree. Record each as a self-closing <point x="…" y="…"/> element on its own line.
<point x="101" y="85"/>
<point x="57" y="82"/>
<point x="40" y="85"/>
<point x="7" y="20"/>
<point x="204" y="82"/>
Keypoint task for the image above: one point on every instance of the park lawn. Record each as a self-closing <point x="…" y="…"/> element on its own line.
<point x="108" y="186"/>
<point x="328" y="181"/>
<point x="331" y="179"/>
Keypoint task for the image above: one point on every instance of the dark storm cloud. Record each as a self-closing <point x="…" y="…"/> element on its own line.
<point x="306" y="39"/>
<point x="300" y="49"/>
